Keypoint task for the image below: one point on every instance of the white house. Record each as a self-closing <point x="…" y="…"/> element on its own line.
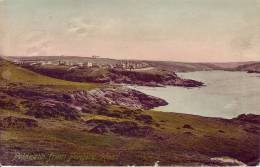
<point x="88" y="64"/>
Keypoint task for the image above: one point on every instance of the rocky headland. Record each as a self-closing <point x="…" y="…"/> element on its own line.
<point x="155" y="77"/>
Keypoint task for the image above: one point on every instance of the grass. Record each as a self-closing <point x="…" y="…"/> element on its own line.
<point x="173" y="122"/>
<point x="12" y="73"/>
<point x="60" y="137"/>
<point x="206" y="137"/>
<point x="66" y="141"/>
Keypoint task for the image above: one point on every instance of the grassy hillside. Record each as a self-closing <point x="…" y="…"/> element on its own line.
<point x="178" y="139"/>
<point x="12" y="73"/>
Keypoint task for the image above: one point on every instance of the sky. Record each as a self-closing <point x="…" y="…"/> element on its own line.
<point x="176" y="30"/>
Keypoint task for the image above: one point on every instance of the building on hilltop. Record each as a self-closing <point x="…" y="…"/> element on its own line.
<point x="88" y="64"/>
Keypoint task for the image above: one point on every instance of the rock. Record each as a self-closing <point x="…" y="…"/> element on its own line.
<point x="50" y="104"/>
<point x="187" y="83"/>
<point x="8" y="104"/>
<point x="221" y="131"/>
<point x="53" y="109"/>
<point x="253" y="71"/>
<point x="188" y="133"/>
<point x="100" y="129"/>
<point x="124" y="128"/>
<point x="15" y="122"/>
<point x="187" y="126"/>
<point x="228" y="161"/>
<point x="120" y="96"/>
<point x="251" y="118"/>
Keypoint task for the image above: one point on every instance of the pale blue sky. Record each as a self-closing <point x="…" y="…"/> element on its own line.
<point x="181" y="30"/>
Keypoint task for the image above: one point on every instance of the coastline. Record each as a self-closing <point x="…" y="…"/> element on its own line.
<point x="82" y="123"/>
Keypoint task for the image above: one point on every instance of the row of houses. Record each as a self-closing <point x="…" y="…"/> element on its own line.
<point x="121" y="65"/>
<point x="56" y="62"/>
<point x="132" y="65"/>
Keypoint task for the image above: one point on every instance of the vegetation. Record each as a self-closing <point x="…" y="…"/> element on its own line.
<point x="61" y="142"/>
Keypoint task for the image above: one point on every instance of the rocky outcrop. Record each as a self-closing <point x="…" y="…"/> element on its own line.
<point x="113" y="96"/>
<point x="186" y="83"/>
<point x="250" y="118"/>
<point x="124" y="128"/>
<point x="250" y="122"/>
<point x="153" y="79"/>
<point x="187" y="126"/>
<point x="118" y="96"/>
<point x="68" y="105"/>
<point x="16" y="122"/>
<point x="162" y="78"/>
<point x="52" y="109"/>
<point x="253" y="71"/>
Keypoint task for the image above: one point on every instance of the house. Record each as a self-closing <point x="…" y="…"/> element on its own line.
<point x="95" y="65"/>
<point x="62" y="63"/>
<point x="48" y="62"/>
<point x="18" y="62"/>
<point x="107" y="66"/>
<point x="88" y="64"/>
<point x="80" y="64"/>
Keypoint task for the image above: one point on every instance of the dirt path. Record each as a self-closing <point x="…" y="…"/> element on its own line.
<point x="144" y="69"/>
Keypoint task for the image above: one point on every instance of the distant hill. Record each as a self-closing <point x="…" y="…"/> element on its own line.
<point x="254" y="67"/>
<point x="184" y="67"/>
<point x="233" y="65"/>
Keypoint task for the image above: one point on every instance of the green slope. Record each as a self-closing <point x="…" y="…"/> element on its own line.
<point x="12" y="73"/>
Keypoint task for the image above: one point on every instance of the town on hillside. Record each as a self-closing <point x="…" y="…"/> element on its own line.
<point x="122" y="64"/>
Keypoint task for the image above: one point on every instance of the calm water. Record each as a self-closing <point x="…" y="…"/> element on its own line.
<point x="226" y="95"/>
